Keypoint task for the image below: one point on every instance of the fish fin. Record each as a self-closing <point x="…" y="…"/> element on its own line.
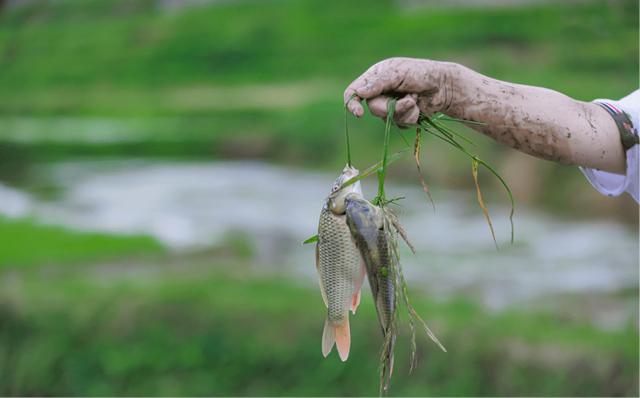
<point x="323" y="293"/>
<point x="360" y="279"/>
<point x="328" y="338"/>
<point x="355" y="301"/>
<point x="343" y="339"/>
<point x="356" y="297"/>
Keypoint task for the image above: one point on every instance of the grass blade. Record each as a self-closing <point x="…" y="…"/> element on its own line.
<point x="452" y="132"/>
<point x="485" y="211"/>
<point x="402" y="232"/>
<point x="372" y="169"/>
<point x="416" y="156"/>
<point x="442" y="116"/>
<point x="441" y="132"/>
<point x="346" y="129"/>
<point x="509" y="193"/>
<point x="382" y="172"/>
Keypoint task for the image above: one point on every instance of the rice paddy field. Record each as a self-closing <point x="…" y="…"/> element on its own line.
<point x="162" y="161"/>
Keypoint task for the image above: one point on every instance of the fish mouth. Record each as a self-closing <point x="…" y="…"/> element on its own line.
<point x="336" y="199"/>
<point x="349" y="172"/>
<point x="349" y="169"/>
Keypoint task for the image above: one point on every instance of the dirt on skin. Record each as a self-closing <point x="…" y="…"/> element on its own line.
<point x="533" y="120"/>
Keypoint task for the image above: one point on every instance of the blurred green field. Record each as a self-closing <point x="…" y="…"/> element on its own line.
<point x="264" y="80"/>
<point x="151" y="328"/>
<point x="88" y="313"/>
<point x="205" y="324"/>
<point x="26" y="243"/>
<point x="126" y="44"/>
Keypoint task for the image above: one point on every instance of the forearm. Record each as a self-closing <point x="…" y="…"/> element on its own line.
<point x="534" y="120"/>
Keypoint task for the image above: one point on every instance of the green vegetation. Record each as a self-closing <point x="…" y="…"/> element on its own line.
<point x="245" y="79"/>
<point x="143" y="326"/>
<point x="126" y="44"/>
<point x="26" y="243"/>
<point x="120" y="59"/>
<point x="221" y="332"/>
<point x="96" y="314"/>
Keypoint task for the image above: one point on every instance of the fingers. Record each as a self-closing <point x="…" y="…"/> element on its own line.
<point x="352" y="102"/>
<point x="380" y="78"/>
<point x="358" y="90"/>
<point x="406" y="112"/>
<point x="378" y="106"/>
<point x="374" y="86"/>
<point x="351" y="98"/>
<point x="409" y="117"/>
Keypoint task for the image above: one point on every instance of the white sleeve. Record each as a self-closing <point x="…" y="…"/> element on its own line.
<point x="612" y="184"/>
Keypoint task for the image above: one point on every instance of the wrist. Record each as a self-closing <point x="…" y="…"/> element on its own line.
<point x="441" y="87"/>
<point x="456" y="82"/>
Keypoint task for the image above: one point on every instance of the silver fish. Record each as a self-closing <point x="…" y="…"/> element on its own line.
<point x="339" y="266"/>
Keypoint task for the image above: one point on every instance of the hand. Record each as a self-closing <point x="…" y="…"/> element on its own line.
<point x="420" y="85"/>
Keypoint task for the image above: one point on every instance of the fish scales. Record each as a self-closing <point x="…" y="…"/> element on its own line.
<point x="385" y="299"/>
<point x="367" y="225"/>
<point x="339" y="264"/>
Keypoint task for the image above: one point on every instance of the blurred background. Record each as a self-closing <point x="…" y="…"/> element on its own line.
<point x="161" y="162"/>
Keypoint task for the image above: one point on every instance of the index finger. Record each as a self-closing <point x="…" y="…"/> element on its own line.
<point x="351" y="99"/>
<point x="367" y="86"/>
<point x="379" y="78"/>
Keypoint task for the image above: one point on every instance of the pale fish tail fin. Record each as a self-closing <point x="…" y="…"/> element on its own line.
<point x="328" y="338"/>
<point x="338" y="334"/>
<point x="343" y="338"/>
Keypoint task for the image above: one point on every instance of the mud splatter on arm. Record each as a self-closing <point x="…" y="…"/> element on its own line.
<point x="538" y="121"/>
<point x="534" y="120"/>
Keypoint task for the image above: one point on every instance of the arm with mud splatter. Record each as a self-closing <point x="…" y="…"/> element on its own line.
<point x="534" y="120"/>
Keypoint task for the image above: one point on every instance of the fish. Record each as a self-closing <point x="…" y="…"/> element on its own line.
<point x="367" y="225"/>
<point x="339" y="264"/>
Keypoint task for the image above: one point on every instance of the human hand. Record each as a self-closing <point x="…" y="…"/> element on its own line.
<point x="420" y="85"/>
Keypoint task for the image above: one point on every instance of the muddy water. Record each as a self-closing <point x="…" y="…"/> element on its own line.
<point x="578" y="267"/>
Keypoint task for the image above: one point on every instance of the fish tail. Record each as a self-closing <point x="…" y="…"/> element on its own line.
<point x="343" y="339"/>
<point x="338" y="334"/>
<point x="328" y="338"/>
